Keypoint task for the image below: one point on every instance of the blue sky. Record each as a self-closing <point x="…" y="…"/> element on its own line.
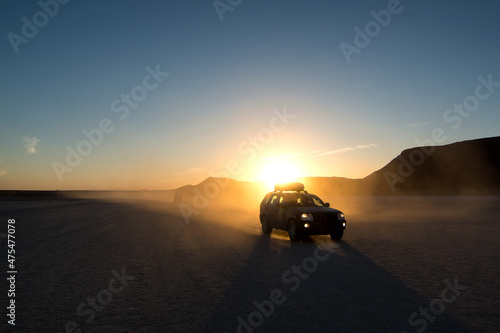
<point x="225" y="78"/>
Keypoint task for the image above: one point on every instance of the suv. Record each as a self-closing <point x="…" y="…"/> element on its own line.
<point x="292" y="209"/>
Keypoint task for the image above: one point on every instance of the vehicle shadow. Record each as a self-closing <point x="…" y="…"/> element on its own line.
<point x="325" y="286"/>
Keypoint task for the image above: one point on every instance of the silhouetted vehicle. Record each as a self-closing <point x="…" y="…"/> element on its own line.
<point x="292" y="209"/>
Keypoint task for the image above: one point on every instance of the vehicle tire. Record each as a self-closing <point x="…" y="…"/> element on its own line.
<point x="293" y="232"/>
<point x="266" y="229"/>
<point x="337" y="234"/>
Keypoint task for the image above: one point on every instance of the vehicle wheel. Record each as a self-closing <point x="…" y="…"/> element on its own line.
<point x="337" y="234"/>
<point x="266" y="229"/>
<point x="293" y="233"/>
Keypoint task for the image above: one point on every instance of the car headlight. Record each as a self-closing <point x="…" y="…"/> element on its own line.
<point x="307" y="217"/>
<point x="341" y="216"/>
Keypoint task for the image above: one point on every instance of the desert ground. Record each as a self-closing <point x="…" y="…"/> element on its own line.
<point x="405" y="264"/>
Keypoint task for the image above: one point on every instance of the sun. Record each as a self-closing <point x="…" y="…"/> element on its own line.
<point x="279" y="172"/>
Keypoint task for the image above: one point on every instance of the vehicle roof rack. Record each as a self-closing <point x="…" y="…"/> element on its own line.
<point x="290" y="187"/>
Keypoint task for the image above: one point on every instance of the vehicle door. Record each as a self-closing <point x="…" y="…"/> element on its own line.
<point x="272" y="210"/>
<point x="281" y="213"/>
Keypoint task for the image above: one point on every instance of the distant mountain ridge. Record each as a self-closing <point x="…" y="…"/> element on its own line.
<point x="467" y="167"/>
<point x="462" y="168"/>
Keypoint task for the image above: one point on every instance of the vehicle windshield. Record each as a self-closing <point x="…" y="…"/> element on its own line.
<point x="297" y="200"/>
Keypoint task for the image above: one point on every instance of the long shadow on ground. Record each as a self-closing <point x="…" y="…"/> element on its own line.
<point x="347" y="292"/>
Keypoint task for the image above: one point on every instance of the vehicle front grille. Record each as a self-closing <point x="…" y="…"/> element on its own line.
<point x="325" y="219"/>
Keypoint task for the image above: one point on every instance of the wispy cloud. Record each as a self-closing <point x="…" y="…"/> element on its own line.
<point x="2" y="172"/>
<point x="417" y="124"/>
<point x="30" y="144"/>
<point x="280" y="157"/>
<point x="318" y="153"/>
<point x="346" y="149"/>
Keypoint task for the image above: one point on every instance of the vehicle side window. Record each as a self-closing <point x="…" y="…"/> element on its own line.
<point x="281" y="200"/>
<point x="317" y="201"/>
<point x="274" y="200"/>
<point x="266" y="199"/>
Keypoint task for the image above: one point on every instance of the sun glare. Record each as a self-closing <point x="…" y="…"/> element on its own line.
<point x="279" y="172"/>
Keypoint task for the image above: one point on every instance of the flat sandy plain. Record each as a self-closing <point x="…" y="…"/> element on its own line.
<point x="389" y="269"/>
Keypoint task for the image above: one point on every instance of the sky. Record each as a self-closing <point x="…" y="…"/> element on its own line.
<point x="131" y="95"/>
